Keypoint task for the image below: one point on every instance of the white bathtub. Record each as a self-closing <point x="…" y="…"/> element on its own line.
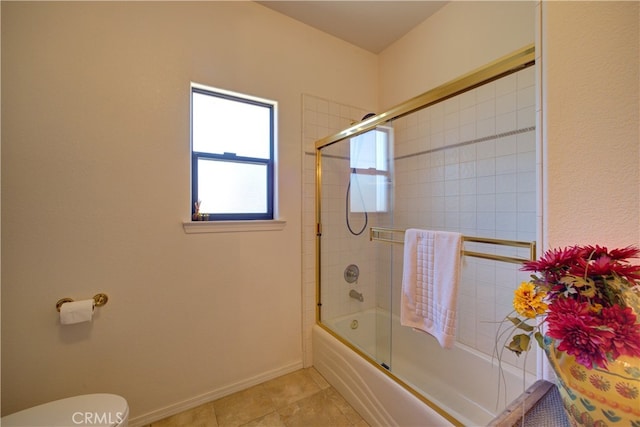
<point x="456" y="387"/>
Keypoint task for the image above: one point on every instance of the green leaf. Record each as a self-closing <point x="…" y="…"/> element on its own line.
<point x="539" y="338"/>
<point x="520" y="324"/>
<point x="585" y="285"/>
<point x="519" y="343"/>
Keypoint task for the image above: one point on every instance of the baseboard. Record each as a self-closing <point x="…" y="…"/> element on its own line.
<point x="195" y="401"/>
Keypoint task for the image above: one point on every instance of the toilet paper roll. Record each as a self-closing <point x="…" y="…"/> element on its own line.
<point x="76" y="312"/>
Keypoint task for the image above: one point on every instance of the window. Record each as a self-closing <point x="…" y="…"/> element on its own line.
<point x="232" y="156"/>
<point x="370" y="170"/>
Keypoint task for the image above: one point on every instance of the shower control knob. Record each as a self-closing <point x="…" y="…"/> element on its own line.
<point x="351" y="273"/>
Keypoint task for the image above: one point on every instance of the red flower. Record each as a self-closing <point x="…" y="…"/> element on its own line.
<point x="563" y="308"/>
<point x="617" y="254"/>
<point x="554" y="263"/>
<point x="626" y="339"/>
<point x="598" y="261"/>
<point x="588" y="312"/>
<point x="579" y="332"/>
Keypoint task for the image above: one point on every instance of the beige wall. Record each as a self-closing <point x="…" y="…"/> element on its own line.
<point x="589" y="111"/>
<point x="459" y="38"/>
<point x="95" y="175"/>
<point x="95" y="186"/>
<point x="591" y="123"/>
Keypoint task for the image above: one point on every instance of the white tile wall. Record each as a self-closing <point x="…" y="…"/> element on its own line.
<point x="467" y="164"/>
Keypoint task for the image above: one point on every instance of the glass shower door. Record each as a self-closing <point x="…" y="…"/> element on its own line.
<point x="355" y="195"/>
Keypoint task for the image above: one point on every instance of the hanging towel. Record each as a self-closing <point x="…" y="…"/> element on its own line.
<point x="430" y="283"/>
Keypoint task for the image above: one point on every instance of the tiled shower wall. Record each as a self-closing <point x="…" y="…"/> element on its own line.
<point x="466" y="164"/>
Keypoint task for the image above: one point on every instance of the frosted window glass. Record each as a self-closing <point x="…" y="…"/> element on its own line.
<point x="368" y="193"/>
<point x="224" y="125"/>
<point x="248" y="194"/>
<point x="369" y="160"/>
<point x="370" y="150"/>
<point x="232" y="162"/>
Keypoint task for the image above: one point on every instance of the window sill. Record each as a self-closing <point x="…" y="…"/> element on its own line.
<point x="192" y="227"/>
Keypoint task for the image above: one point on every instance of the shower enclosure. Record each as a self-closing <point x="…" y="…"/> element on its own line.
<point x="459" y="158"/>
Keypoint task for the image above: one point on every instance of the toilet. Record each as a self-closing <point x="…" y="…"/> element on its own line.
<point x="95" y="410"/>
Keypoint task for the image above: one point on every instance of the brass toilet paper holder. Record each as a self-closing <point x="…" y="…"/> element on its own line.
<point x="99" y="300"/>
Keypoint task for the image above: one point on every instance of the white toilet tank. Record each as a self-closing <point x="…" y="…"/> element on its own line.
<point x="88" y="410"/>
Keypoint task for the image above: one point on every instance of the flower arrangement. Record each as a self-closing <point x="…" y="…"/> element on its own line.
<point x="589" y="299"/>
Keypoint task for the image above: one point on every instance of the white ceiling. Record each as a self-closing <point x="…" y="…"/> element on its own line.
<point x="371" y="25"/>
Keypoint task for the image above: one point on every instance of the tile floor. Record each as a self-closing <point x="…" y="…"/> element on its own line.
<point x="300" y="399"/>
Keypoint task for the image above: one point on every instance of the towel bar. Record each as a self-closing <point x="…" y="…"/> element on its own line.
<point x="387" y="235"/>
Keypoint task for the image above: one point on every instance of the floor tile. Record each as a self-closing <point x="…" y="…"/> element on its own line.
<point x="201" y="416"/>
<point x="319" y="379"/>
<point x="316" y="410"/>
<point x="299" y="399"/>
<point x="291" y="387"/>
<point x="271" y="420"/>
<point x="241" y="407"/>
<point x="338" y="401"/>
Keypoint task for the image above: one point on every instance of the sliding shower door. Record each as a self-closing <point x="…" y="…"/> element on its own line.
<point x="356" y="193"/>
<point x="462" y="159"/>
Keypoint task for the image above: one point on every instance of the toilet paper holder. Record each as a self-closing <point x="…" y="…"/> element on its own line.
<point x="99" y="300"/>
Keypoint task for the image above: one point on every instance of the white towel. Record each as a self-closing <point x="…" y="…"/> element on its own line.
<point x="430" y="283"/>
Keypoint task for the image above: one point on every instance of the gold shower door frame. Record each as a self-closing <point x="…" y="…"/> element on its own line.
<point x="508" y="64"/>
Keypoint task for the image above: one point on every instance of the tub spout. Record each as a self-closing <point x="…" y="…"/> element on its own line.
<point x="357" y="295"/>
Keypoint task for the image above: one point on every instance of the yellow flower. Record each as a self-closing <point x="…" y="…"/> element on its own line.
<point x="528" y="302"/>
<point x="595" y="308"/>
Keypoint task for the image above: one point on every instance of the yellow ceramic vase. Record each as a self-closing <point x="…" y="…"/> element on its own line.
<point x="597" y="397"/>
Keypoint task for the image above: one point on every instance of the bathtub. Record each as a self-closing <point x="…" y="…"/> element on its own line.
<point x="426" y="386"/>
